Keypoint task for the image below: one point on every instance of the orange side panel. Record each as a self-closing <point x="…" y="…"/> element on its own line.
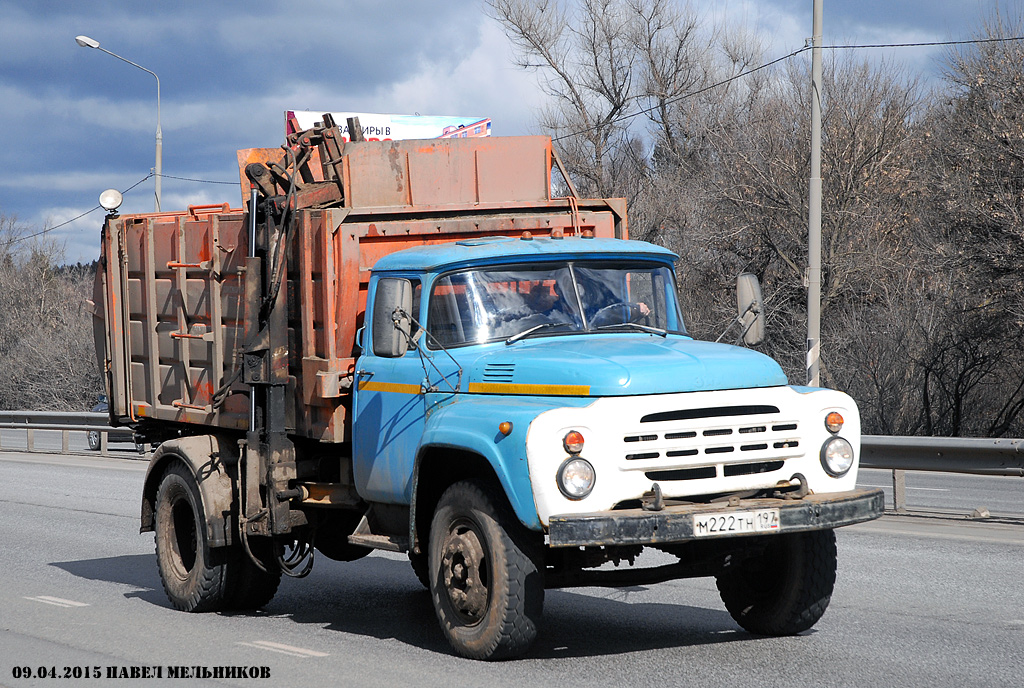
<point x="173" y="283"/>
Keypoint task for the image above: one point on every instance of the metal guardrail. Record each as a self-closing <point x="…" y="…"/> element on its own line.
<point x="65" y="422"/>
<point x="973" y="455"/>
<point x="977" y="455"/>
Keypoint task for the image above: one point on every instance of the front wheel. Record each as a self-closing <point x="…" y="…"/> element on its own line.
<point x="785" y="589"/>
<point x="94" y="440"/>
<point x="486" y="575"/>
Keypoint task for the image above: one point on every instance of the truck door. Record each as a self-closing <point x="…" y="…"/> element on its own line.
<point x="389" y="410"/>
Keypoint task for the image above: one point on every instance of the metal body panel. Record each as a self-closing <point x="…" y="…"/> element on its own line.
<point x="172" y="318"/>
<point x="213" y="462"/>
<point x="470" y="423"/>
<point x="388" y="425"/>
<point x="626" y="364"/>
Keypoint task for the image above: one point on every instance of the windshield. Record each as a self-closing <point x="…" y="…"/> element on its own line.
<point x="487" y="304"/>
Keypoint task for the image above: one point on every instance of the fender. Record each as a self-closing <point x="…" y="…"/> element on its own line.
<point x="213" y="461"/>
<point x="470" y="423"/>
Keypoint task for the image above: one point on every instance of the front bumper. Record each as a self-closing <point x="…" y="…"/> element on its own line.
<point x="676" y="523"/>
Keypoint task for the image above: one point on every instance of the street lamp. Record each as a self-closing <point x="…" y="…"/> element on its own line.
<point x="87" y="42"/>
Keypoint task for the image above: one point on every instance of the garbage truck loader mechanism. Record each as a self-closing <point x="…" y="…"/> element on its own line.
<point x="412" y="346"/>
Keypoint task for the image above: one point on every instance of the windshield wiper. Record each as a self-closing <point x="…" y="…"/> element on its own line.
<point x="527" y="332"/>
<point x="653" y="330"/>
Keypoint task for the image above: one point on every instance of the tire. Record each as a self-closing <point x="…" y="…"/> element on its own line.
<point x="94" y="439"/>
<point x="248" y="586"/>
<point x="191" y="581"/>
<point x="486" y="579"/>
<point x="420" y="568"/>
<point x="785" y="589"/>
<point x="191" y="578"/>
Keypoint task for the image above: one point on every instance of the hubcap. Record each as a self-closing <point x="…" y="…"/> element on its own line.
<point x="465" y="572"/>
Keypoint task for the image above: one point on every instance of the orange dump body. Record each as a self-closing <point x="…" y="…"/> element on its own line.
<point x="172" y="288"/>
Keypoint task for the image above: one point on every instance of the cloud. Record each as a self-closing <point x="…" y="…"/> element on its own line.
<point x="484" y="82"/>
<point x="77" y="121"/>
<point x="785" y="25"/>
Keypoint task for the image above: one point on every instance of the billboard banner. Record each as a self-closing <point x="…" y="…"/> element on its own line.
<point x="378" y="127"/>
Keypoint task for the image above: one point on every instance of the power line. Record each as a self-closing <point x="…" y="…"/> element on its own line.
<point x="200" y="181"/>
<point x="94" y="209"/>
<point x="677" y="99"/>
<point x="924" y="44"/>
<point x="77" y="217"/>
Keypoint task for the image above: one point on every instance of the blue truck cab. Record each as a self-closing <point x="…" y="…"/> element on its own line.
<point x="557" y="375"/>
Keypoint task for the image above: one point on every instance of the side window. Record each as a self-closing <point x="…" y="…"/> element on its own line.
<point x="414" y="326"/>
<point x="417" y="293"/>
<point x="444" y="321"/>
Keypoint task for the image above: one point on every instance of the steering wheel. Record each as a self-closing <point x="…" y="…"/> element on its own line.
<point x="605" y="314"/>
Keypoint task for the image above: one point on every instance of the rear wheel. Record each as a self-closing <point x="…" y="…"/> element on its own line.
<point x="249" y="586"/>
<point x="485" y="580"/>
<point x="196" y="578"/>
<point x="94" y="439"/>
<point x="192" y="582"/>
<point x="785" y="589"/>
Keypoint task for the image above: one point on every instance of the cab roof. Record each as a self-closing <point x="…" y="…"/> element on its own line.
<point x="513" y="250"/>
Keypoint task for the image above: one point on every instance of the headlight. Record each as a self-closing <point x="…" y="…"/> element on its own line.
<point x="837" y="456"/>
<point x="576" y="478"/>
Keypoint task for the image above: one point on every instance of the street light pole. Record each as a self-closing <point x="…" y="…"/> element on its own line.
<point x="87" y="42"/>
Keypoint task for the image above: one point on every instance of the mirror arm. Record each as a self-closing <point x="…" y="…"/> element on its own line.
<point x="739" y="319"/>
<point x="750" y="309"/>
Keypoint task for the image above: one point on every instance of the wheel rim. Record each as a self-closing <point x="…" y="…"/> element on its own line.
<point x="185" y="537"/>
<point x="466" y="572"/>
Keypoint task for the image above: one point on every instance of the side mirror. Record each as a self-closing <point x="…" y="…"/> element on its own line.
<point x="391" y="330"/>
<point x="750" y="308"/>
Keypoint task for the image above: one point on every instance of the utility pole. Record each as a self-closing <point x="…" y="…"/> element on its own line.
<point x="814" y="210"/>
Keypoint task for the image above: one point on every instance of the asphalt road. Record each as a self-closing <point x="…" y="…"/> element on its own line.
<point x="919" y="602"/>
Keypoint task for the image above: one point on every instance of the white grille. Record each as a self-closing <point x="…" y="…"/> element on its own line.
<point x="724" y="441"/>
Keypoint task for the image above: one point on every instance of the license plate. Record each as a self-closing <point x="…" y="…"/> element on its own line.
<point x="736" y="522"/>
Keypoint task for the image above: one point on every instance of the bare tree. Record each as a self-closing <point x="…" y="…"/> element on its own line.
<point x="974" y="367"/>
<point x="614" y="70"/>
<point x="47" y="358"/>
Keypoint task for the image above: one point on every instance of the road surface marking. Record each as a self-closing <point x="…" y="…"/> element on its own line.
<point x="57" y="601"/>
<point x="284" y="649"/>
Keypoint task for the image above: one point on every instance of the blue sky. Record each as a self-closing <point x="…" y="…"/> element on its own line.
<point x="76" y="121"/>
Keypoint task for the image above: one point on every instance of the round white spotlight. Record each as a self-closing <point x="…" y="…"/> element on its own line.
<point x="110" y="200"/>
